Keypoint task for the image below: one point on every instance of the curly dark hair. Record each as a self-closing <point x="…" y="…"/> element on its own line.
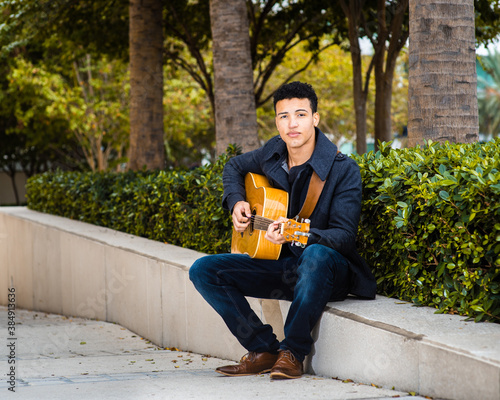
<point x="296" y="90"/>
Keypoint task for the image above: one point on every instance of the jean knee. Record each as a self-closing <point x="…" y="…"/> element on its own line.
<point x="198" y="269"/>
<point x="318" y="252"/>
<point x="317" y="258"/>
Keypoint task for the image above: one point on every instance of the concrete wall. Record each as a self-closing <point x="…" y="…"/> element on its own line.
<point x="76" y="269"/>
<point x="7" y="195"/>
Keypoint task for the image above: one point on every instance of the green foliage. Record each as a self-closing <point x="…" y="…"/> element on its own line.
<point x="44" y="114"/>
<point x="189" y="121"/>
<point x="34" y="131"/>
<point x="62" y="29"/>
<point x="487" y="13"/>
<point x="430" y="225"/>
<point x="98" y="111"/>
<point x="177" y="207"/>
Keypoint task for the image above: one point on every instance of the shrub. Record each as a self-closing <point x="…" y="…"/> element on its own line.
<point x="430" y="225"/>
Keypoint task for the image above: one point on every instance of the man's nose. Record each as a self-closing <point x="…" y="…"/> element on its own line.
<point x="293" y="122"/>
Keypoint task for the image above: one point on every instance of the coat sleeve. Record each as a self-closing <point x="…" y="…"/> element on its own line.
<point x="233" y="176"/>
<point x="341" y="209"/>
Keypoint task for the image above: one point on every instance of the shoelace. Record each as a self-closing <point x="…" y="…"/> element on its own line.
<point x="249" y="356"/>
<point x="288" y="354"/>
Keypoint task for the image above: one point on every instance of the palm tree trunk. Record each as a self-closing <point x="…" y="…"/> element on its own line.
<point x="235" y="112"/>
<point x="146" y="85"/>
<point x="442" y="77"/>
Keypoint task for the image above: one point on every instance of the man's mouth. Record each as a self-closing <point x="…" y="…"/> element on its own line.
<point x="293" y="134"/>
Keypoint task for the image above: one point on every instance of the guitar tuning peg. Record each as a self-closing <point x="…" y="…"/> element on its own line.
<point x="307" y="221"/>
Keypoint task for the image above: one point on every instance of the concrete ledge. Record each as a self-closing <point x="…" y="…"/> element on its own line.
<point x="73" y="268"/>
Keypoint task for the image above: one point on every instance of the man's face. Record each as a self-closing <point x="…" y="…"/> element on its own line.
<point x="295" y="122"/>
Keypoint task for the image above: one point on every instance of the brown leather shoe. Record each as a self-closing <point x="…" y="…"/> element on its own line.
<point x="287" y="366"/>
<point x="250" y="364"/>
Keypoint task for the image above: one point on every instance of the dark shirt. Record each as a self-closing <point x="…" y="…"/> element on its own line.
<point x="298" y="178"/>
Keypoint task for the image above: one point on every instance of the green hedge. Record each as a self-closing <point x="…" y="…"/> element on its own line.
<point x="430" y="224"/>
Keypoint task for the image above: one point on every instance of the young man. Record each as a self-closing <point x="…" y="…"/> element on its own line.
<point x="327" y="269"/>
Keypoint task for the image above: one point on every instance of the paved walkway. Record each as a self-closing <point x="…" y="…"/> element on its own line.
<point x="72" y="358"/>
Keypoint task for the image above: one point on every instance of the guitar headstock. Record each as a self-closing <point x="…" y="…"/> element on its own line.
<point x="296" y="232"/>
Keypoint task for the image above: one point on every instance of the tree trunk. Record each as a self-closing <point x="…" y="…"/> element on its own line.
<point x="383" y="101"/>
<point x="442" y="78"/>
<point x="146" y="85"/>
<point x="352" y="11"/>
<point x="391" y="38"/>
<point x="12" y="176"/>
<point x="235" y="113"/>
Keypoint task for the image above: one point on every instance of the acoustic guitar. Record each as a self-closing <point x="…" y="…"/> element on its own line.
<point x="267" y="205"/>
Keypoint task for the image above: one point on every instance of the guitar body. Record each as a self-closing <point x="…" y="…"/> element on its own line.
<point x="266" y="202"/>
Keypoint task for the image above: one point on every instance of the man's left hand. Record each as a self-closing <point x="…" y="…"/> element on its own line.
<point x="273" y="232"/>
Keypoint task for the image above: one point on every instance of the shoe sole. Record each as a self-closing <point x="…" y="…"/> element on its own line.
<point x="281" y="375"/>
<point x="256" y="373"/>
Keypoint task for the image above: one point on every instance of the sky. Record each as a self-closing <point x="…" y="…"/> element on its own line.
<point x="482" y="51"/>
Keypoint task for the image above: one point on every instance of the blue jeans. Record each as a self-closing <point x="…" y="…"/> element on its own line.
<point x="318" y="276"/>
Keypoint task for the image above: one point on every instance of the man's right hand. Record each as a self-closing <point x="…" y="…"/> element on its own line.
<point x="241" y="215"/>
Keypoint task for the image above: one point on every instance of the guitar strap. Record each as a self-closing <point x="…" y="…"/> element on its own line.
<point x="312" y="196"/>
<point x="313" y="193"/>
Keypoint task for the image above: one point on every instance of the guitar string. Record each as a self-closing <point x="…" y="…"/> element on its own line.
<point x="261" y="223"/>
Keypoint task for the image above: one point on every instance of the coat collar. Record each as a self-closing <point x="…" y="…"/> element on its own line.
<point x="323" y="156"/>
<point x="321" y="160"/>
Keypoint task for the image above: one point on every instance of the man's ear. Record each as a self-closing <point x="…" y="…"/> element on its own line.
<point x="316" y="119"/>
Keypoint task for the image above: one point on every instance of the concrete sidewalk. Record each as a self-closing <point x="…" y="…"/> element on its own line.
<point x="73" y="358"/>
